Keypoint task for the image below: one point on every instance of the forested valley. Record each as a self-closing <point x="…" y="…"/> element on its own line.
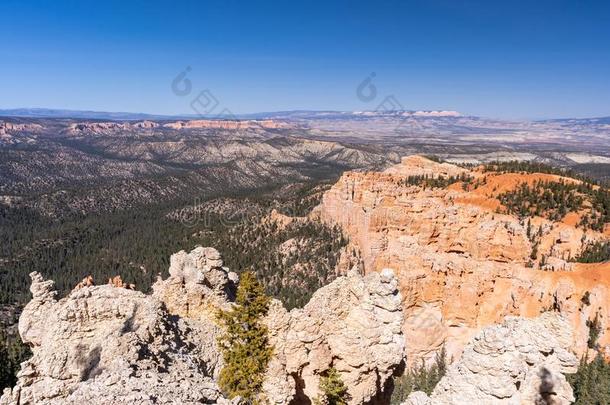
<point x="292" y="260"/>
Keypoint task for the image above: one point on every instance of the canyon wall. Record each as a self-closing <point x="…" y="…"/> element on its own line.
<point x="461" y="264"/>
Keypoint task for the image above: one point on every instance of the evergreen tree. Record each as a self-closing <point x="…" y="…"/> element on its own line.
<point x="595" y="252"/>
<point x="422" y="378"/>
<point x="6" y="366"/>
<point x="245" y="343"/>
<point x="591" y="383"/>
<point x="12" y="353"/>
<point x="334" y="391"/>
<point x="595" y="329"/>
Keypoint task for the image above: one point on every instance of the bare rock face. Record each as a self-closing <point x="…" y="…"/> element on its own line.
<point x="7" y="127"/>
<point x="521" y="361"/>
<point x="461" y="265"/>
<point x="227" y="124"/>
<point x="198" y="284"/>
<point x="107" y="344"/>
<point x="111" y="345"/>
<point x="353" y="325"/>
<point x="116" y="127"/>
<point x="420" y="166"/>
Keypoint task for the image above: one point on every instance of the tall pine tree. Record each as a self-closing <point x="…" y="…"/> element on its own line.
<point x="245" y="343"/>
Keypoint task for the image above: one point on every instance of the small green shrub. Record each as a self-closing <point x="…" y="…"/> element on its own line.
<point x="595" y="329"/>
<point x="334" y="391"/>
<point x="586" y="298"/>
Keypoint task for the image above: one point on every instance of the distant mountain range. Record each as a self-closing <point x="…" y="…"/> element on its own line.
<point x="79" y="114"/>
<point x="124" y="116"/>
<point x="293" y="114"/>
<point x="594" y="121"/>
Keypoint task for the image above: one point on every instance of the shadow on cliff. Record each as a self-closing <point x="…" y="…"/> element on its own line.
<point x="546" y="393"/>
<point x="385" y="392"/>
<point x="88" y="362"/>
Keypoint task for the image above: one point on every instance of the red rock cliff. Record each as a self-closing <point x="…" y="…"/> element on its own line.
<point x="462" y="265"/>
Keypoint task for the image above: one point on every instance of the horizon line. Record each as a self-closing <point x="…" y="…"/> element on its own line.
<point x="22" y="112"/>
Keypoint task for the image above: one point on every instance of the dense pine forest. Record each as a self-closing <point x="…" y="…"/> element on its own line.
<point x="524" y="166"/>
<point x="292" y="260"/>
<point x="591" y="383"/>
<point x="137" y="243"/>
<point x="12" y="353"/>
<point x="555" y="199"/>
<point x="425" y="181"/>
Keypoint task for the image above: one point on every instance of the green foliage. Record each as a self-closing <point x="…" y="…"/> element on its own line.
<point x="426" y="181"/>
<point x="595" y="252"/>
<point x="554" y="199"/>
<point x="595" y="328"/>
<point x="523" y="166"/>
<point x="291" y="275"/>
<point x="598" y="171"/>
<point x="586" y="298"/>
<point x="12" y="353"/>
<point x="6" y="367"/>
<point x="419" y="379"/>
<point x="69" y="249"/>
<point x="334" y="391"/>
<point x="137" y="243"/>
<point x="591" y="383"/>
<point x="600" y="208"/>
<point x="245" y="343"/>
<point x="434" y="158"/>
<point x="304" y="198"/>
<point x="534" y="253"/>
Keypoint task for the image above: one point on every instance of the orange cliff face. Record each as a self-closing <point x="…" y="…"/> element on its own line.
<point x="462" y="265"/>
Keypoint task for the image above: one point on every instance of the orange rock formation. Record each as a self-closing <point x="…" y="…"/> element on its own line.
<point x="462" y="265"/>
<point x="117" y="282"/>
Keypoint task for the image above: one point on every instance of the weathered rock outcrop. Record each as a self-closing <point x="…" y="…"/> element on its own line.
<point x="462" y="265"/>
<point x="353" y="324"/>
<point x="416" y="166"/>
<point x="522" y="361"/>
<point x="7" y="127"/>
<point x="103" y="344"/>
<point x="117" y="127"/>
<point x="197" y="286"/>
<point x="114" y="345"/>
<point x="227" y="124"/>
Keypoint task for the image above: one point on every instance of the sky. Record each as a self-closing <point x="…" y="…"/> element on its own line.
<point x="502" y="59"/>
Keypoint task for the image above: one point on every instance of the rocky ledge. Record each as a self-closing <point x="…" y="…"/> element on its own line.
<point x="521" y="361"/>
<point x="114" y="345"/>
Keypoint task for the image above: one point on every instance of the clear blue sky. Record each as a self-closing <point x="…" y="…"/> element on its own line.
<point x="511" y="59"/>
